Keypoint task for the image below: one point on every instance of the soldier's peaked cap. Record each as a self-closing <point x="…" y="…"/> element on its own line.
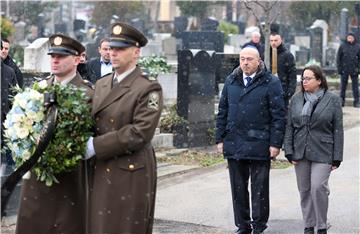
<point x="124" y="35"/>
<point x="61" y="44"/>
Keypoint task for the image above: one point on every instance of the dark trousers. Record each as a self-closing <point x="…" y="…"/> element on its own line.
<point x="258" y="172"/>
<point x="355" y="86"/>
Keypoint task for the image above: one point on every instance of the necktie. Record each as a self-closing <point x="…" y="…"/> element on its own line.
<point x="115" y="80"/>
<point x="248" y="79"/>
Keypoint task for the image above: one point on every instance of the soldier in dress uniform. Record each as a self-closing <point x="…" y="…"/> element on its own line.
<point x="127" y="106"/>
<point x="60" y="208"/>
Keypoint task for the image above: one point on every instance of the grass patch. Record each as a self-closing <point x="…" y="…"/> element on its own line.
<point x="203" y="159"/>
<point x="208" y="159"/>
<point x="280" y="164"/>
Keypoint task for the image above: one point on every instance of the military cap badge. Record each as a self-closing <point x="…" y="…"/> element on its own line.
<point x="57" y="41"/>
<point x="117" y="30"/>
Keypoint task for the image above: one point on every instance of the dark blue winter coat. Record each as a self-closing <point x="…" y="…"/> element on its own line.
<point x="251" y="119"/>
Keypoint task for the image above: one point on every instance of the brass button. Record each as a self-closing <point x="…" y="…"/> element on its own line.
<point x="111" y="120"/>
<point x="131" y="166"/>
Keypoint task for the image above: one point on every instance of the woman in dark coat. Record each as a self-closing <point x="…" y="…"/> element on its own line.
<point x="314" y="144"/>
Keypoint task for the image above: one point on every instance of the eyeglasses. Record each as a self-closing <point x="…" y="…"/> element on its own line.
<point x="307" y="78"/>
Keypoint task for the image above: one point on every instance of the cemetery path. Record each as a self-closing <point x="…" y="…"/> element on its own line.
<point x="200" y="203"/>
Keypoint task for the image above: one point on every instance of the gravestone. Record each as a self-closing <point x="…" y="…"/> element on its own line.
<point x="180" y="25"/>
<point x="169" y="48"/>
<point x="302" y="56"/>
<point x="36" y="58"/>
<point x="92" y="50"/>
<point x="60" y="28"/>
<point x="237" y="41"/>
<point x="316" y="44"/>
<point x="330" y="60"/>
<point x="20" y="31"/>
<point x="209" y="24"/>
<point x="203" y="41"/>
<point x="195" y="98"/>
<point x="224" y="65"/>
<point x="302" y="41"/>
<point x="152" y="48"/>
<point x="344" y="22"/>
<point x="324" y="30"/>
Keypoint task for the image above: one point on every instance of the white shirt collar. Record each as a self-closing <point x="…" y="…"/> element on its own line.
<point x="244" y="76"/>
<point x="65" y="80"/>
<point x="123" y="75"/>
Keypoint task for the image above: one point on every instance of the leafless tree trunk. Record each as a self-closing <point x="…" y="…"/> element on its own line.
<point x="270" y="11"/>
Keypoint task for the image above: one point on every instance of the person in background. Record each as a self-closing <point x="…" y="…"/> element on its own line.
<point x="286" y="70"/>
<point x="348" y="64"/>
<point x="10" y="62"/>
<point x="100" y="66"/>
<point x="313" y="142"/>
<point x="256" y="42"/>
<point x="250" y="127"/>
<point x="8" y="81"/>
<point x="126" y="109"/>
<point x="82" y="68"/>
<point x="61" y="207"/>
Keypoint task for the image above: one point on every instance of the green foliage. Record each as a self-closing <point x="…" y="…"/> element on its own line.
<point x="227" y="28"/>
<point x="192" y="157"/>
<point x="304" y="13"/>
<point x="193" y="8"/>
<point x="7" y="28"/>
<point x="17" y="54"/>
<point x="125" y="10"/>
<point x="73" y="129"/>
<point x="170" y="120"/>
<point x="211" y="135"/>
<point x="28" y="11"/>
<point x="154" y="65"/>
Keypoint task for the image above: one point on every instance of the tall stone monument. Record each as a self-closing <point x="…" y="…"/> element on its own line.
<point x="195" y="98"/>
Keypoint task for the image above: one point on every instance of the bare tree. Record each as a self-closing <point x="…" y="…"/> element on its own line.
<point x="269" y="11"/>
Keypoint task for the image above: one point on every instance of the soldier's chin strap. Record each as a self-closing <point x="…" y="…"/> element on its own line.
<point x="45" y="137"/>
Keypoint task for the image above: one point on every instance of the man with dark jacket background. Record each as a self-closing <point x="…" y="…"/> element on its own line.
<point x="10" y="62"/>
<point x="256" y="42"/>
<point x="250" y="128"/>
<point x="8" y="81"/>
<point x="348" y="64"/>
<point x="100" y="66"/>
<point x="286" y="70"/>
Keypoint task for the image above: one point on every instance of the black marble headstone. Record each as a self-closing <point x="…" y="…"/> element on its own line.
<point x="316" y="44"/>
<point x="209" y="24"/>
<point x="203" y="41"/>
<point x="61" y="28"/>
<point x="180" y="25"/>
<point x="302" y="57"/>
<point x="225" y="64"/>
<point x="195" y="98"/>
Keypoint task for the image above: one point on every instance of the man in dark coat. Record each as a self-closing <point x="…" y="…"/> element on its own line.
<point x="256" y="42"/>
<point x="8" y="81"/>
<point x="100" y="66"/>
<point x="127" y="109"/>
<point x="250" y="127"/>
<point x="60" y="208"/>
<point x="10" y="62"/>
<point x="286" y="70"/>
<point x="348" y="64"/>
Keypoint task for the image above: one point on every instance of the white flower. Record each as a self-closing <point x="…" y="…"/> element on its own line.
<point x="26" y="154"/>
<point x="43" y="84"/>
<point x="35" y="95"/>
<point x="21" y="132"/>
